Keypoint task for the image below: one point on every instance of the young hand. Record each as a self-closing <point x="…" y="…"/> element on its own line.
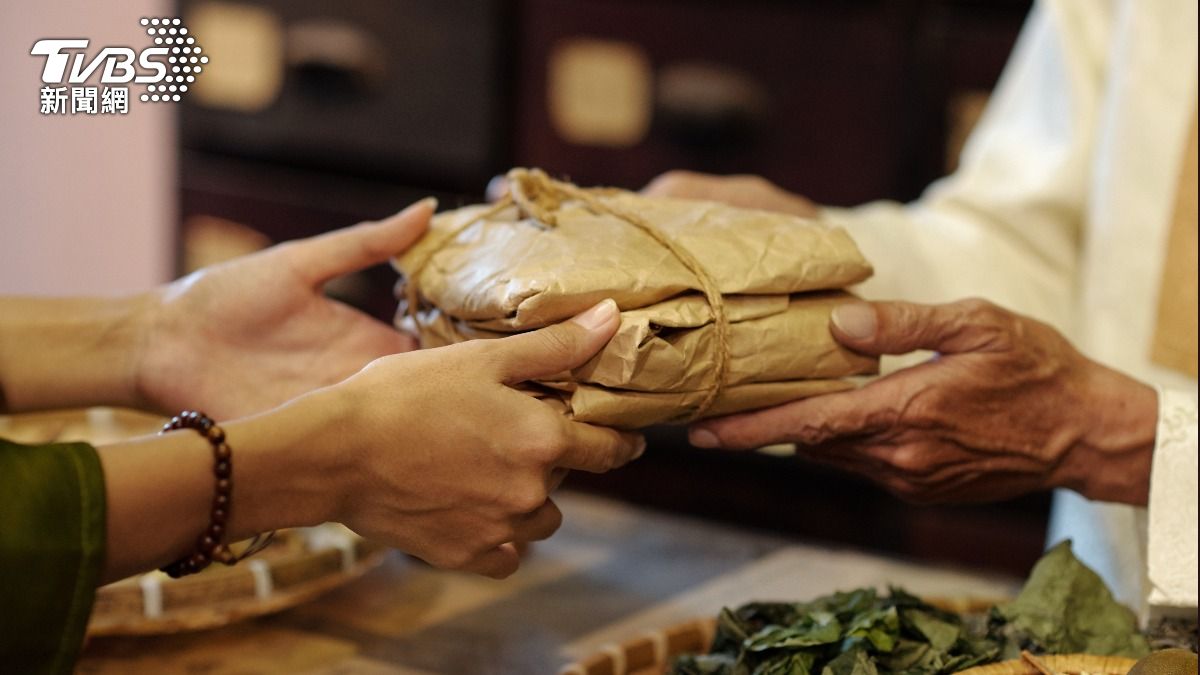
<point x="432" y="452"/>
<point x="249" y="334"/>
<point x="442" y="458"/>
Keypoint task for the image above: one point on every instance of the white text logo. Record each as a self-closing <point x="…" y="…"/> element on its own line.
<point x="167" y="69"/>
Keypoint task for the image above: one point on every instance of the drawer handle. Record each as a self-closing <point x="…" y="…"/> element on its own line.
<point x="704" y="104"/>
<point x="334" y="60"/>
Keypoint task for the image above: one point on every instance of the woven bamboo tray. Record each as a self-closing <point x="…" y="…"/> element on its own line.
<point x="298" y="566"/>
<point x="652" y="653"/>
<point x="1057" y="664"/>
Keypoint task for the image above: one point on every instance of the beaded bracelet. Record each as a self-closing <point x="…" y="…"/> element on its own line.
<point x="208" y="545"/>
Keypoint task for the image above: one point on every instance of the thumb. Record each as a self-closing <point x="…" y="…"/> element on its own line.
<point x="902" y="327"/>
<point x="560" y="347"/>
<point x="350" y="249"/>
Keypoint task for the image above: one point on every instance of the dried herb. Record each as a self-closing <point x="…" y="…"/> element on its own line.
<point x="852" y="633"/>
<point x="1174" y="632"/>
<point x="1065" y="608"/>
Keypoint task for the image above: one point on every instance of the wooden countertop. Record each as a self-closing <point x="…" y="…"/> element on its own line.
<point x="612" y="572"/>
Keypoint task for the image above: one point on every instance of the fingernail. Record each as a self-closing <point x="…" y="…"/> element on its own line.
<point x="431" y="202"/>
<point x="641" y="447"/>
<point x="497" y="187"/>
<point x="703" y="438"/>
<point x="856" y="321"/>
<point x="597" y="316"/>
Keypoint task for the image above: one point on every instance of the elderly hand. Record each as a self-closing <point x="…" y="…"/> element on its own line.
<point x="1007" y="406"/>
<point x="249" y="334"/>
<point x="751" y="192"/>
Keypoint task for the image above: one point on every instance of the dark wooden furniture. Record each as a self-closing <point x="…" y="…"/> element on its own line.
<point x="854" y="93"/>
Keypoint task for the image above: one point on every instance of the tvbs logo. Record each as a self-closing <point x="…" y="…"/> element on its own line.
<point x="167" y="69"/>
<point x="117" y="61"/>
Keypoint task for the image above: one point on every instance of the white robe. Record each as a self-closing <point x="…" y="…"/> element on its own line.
<point x="1060" y="210"/>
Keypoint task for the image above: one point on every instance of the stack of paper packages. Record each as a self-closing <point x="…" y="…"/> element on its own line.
<point x="551" y="250"/>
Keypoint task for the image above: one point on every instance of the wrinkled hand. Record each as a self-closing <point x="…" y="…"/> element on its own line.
<point x="1007" y="407"/>
<point x="444" y="460"/>
<point x="751" y="192"/>
<point x="244" y="336"/>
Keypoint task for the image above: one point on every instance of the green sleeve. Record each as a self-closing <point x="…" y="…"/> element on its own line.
<point x="51" y="552"/>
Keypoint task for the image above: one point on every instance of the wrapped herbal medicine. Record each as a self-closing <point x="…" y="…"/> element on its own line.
<point x="723" y="309"/>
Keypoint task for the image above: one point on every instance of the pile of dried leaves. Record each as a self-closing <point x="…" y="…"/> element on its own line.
<point x="1065" y="607"/>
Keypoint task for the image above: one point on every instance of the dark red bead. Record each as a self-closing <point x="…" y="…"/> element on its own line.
<point x="208" y="544"/>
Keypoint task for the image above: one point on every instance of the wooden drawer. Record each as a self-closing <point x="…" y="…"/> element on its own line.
<point x="828" y="79"/>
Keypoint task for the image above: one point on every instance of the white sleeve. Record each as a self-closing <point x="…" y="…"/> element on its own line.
<point x="1006" y="225"/>
<point x="1171" y="517"/>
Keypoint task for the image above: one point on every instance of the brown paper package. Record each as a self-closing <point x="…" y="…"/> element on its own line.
<point x="484" y="272"/>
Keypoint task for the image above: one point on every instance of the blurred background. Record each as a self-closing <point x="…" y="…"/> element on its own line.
<point x="314" y="115"/>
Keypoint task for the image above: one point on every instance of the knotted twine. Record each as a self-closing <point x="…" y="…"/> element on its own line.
<point x="540" y="197"/>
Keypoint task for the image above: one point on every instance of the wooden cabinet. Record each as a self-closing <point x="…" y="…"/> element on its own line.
<point x="814" y="93"/>
<point x="842" y="101"/>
